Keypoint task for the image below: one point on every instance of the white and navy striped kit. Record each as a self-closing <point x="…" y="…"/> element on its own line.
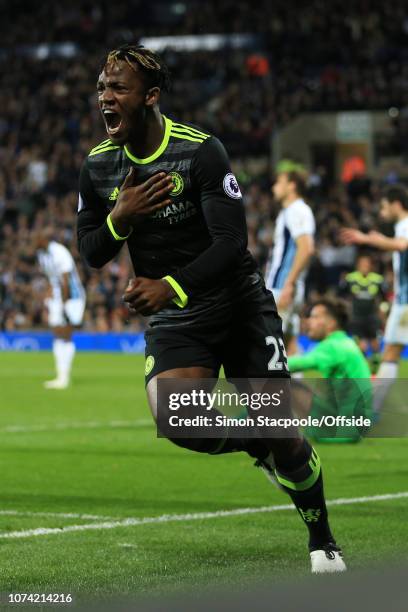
<point x="292" y="222"/>
<point x="400" y="265"/>
<point x="57" y="261"/>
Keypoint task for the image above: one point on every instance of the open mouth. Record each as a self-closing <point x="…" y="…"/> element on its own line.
<point x="113" y="121"/>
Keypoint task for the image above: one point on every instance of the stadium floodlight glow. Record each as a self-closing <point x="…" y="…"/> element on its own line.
<point x="202" y="42"/>
<point x="44" y="51"/>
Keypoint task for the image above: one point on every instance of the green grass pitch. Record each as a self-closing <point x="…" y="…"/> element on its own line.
<point x="89" y="455"/>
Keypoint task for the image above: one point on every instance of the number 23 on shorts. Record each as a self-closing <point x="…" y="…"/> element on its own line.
<point x="276" y="362"/>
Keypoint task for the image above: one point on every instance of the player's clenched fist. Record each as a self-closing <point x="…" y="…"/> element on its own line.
<point x="135" y="201"/>
<point x="147" y="295"/>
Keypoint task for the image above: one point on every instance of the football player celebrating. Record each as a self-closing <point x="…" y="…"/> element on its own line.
<point x="166" y="189"/>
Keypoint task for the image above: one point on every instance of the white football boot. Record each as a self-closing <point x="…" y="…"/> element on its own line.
<point x="327" y="560"/>
<point x="57" y="383"/>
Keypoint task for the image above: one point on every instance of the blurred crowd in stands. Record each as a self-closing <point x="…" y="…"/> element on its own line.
<point x="305" y="57"/>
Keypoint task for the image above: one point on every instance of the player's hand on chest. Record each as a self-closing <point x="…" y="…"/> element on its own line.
<point x="141" y="198"/>
<point x="162" y="198"/>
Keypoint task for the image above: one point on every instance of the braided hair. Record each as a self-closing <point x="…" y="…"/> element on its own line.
<point x="151" y="65"/>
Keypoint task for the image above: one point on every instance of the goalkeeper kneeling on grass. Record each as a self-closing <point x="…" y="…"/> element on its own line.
<point x="345" y="389"/>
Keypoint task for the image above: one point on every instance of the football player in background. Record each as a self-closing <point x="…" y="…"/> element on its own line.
<point x="65" y="305"/>
<point x="339" y="360"/>
<point x="394" y="208"/>
<point x="365" y="287"/>
<point x="292" y="250"/>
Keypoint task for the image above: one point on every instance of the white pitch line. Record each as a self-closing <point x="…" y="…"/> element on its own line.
<point x="75" y="425"/>
<point x="90" y="517"/>
<point x="169" y="518"/>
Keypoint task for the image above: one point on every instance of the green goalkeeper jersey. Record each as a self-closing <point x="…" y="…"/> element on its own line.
<point x="346" y="390"/>
<point x="337" y="356"/>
